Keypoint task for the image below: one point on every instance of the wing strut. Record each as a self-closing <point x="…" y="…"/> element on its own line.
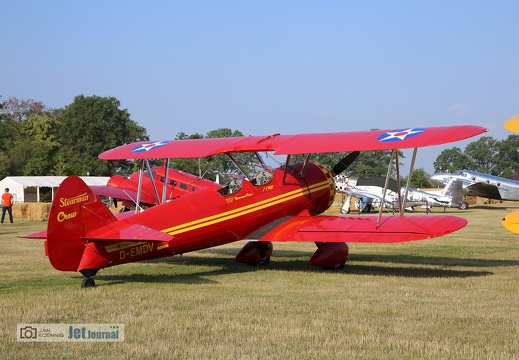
<point x="229" y="155"/>
<point x="146" y="163"/>
<point x="155" y="191"/>
<point x="411" y="169"/>
<point x="401" y="202"/>
<point x="166" y="180"/>
<point x="305" y="165"/>
<point x="139" y="187"/>
<point x="389" y="167"/>
<point x="286" y="169"/>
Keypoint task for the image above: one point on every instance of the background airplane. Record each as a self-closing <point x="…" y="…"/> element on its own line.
<point x="368" y="191"/>
<point x="369" y="194"/>
<point x="451" y="196"/>
<point x="270" y="205"/>
<point x="482" y="185"/>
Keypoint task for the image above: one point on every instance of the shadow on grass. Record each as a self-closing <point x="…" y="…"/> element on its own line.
<point x="432" y="260"/>
<point x="193" y="279"/>
<point x="382" y="258"/>
<point x="409" y="272"/>
<point x="489" y="207"/>
<point x="7" y="232"/>
<point x="225" y="265"/>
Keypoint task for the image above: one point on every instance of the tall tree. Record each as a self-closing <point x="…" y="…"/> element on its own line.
<point x="451" y="160"/>
<point x="507" y="157"/>
<point x="91" y="125"/>
<point x="420" y="180"/>
<point x="20" y="150"/>
<point x="482" y="154"/>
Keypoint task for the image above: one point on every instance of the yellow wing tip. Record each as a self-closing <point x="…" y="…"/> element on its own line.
<point x="512" y="124"/>
<point x="511" y="222"/>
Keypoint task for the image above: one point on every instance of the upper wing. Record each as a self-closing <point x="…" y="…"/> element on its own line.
<point x="124" y="194"/>
<point x="359" y="228"/>
<point x="296" y="144"/>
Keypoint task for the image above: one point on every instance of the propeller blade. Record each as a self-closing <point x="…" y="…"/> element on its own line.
<point x="345" y="162"/>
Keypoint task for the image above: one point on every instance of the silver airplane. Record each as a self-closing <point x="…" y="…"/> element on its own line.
<point x="451" y="196"/>
<point x="482" y="185"/>
<point x="369" y="193"/>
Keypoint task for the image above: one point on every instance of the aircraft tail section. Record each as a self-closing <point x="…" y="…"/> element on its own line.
<point x="454" y="190"/>
<point x="75" y="211"/>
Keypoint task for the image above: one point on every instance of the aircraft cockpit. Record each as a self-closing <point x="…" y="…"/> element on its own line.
<point x="263" y="177"/>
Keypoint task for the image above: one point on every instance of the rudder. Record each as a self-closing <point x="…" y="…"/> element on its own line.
<point x="75" y="210"/>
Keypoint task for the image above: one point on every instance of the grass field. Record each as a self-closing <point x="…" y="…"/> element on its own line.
<point x="454" y="297"/>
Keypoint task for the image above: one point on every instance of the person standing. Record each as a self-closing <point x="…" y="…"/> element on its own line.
<point x="7" y="205"/>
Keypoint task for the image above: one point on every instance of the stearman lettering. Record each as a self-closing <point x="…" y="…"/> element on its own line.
<point x="74" y="200"/>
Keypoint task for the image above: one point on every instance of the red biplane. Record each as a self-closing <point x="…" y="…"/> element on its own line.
<point x="187" y="213"/>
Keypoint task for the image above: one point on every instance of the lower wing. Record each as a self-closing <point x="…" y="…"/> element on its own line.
<point x="359" y="228"/>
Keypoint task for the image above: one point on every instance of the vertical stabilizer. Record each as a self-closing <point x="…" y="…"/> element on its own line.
<point x="454" y="190"/>
<point x="75" y="210"/>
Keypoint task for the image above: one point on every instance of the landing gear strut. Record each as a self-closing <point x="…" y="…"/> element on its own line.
<point x="88" y="281"/>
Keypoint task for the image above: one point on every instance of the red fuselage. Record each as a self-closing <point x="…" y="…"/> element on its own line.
<point x="205" y="218"/>
<point x="80" y="225"/>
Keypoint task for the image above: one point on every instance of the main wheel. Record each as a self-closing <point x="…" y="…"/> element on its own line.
<point x="88" y="282"/>
<point x="464" y="205"/>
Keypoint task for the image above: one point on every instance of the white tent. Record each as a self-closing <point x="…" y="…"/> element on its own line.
<point x="40" y="188"/>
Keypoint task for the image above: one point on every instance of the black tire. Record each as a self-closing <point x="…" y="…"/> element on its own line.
<point x="88" y="283"/>
<point x="464" y="205"/>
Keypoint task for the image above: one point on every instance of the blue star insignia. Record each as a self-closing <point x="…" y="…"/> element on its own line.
<point x="399" y="135"/>
<point x="148" y="146"/>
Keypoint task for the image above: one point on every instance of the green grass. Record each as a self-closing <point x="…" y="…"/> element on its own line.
<point x="454" y="297"/>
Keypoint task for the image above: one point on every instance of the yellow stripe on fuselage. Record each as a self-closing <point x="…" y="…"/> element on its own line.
<point x="246" y="209"/>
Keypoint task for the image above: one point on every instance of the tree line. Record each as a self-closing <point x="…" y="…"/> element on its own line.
<point x="36" y="140"/>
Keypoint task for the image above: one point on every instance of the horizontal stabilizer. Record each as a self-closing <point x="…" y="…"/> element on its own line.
<point x="363" y="228"/>
<point x="121" y="231"/>
<point x="37" y="235"/>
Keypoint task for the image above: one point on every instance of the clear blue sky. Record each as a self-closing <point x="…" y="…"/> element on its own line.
<point x="265" y="67"/>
